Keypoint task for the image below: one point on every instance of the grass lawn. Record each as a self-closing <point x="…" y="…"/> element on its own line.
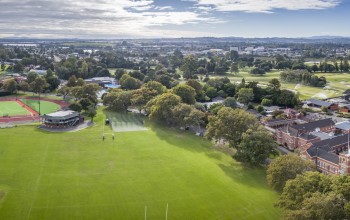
<point x="79" y="176"/>
<point x="45" y="106"/>
<point x="11" y="108"/>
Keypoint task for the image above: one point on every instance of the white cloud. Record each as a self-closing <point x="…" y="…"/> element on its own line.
<point x="267" y="6"/>
<point x="162" y="8"/>
<point x="91" y="17"/>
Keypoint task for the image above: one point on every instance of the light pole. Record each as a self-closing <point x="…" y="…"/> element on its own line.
<point x="39" y="104"/>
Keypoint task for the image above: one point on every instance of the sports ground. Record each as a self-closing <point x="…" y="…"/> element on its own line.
<point x="79" y="176"/>
<point x="45" y="106"/>
<point x="11" y="108"/>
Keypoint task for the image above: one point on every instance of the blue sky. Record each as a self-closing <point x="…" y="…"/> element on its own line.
<point x="173" y="18"/>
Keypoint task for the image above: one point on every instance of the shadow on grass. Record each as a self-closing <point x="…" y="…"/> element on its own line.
<point x="238" y="172"/>
<point x="247" y="175"/>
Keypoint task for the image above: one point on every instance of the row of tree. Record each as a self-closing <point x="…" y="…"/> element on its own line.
<point x="304" y="77"/>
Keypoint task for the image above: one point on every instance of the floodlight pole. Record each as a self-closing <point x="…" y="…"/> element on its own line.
<point x="39" y="104"/>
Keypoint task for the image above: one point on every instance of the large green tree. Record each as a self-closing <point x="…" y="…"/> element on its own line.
<point x="245" y="95"/>
<point x="10" y="86"/>
<point x="186" y="93"/>
<point x="38" y="85"/>
<point x="256" y="146"/>
<point x="189" y="67"/>
<point x="229" y="125"/>
<point x="118" y="101"/>
<point x="161" y="108"/>
<point x="286" y="167"/>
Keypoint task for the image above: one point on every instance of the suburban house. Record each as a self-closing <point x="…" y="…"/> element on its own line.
<point x="331" y="156"/>
<point x="345" y="108"/>
<point x="301" y="135"/>
<point x="315" y="103"/>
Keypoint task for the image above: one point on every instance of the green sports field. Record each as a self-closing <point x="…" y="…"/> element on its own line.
<point x="79" y="176"/>
<point x="45" y="106"/>
<point x="11" y="108"/>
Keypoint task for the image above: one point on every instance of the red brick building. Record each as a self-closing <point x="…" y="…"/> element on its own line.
<point x="299" y="136"/>
<point x="330" y="156"/>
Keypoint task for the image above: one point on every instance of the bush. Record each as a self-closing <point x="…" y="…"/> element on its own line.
<point x="266" y="102"/>
<point x="259" y="108"/>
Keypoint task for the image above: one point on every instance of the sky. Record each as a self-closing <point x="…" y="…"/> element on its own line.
<point x="113" y="19"/>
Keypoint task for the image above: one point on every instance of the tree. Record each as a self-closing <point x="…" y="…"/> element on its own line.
<point x="346" y="66"/>
<point x="72" y="81"/>
<point x="215" y="108"/>
<point x="198" y="88"/>
<point x="234" y="68"/>
<point x="229" y="125"/>
<point x="234" y="55"/>
<point x="76" y="92"/>
<point x="156" y="86"/>
<point x="118" y="101"/>
<point x="196" y="118"/>
<point x="257" y="71"/>
<point x="141" y="97"/>
<point x="211" y="92"/>
<point x="297" y="189"/>
<point x="287" y="98"/>
<point x="189" y="67"/>
<point x="245" y="95"/>
<point x="230" y="102"/>
<point x="137" y="75"/>
<point x="202" y="71"/>
<point x="91" y="112"/>
<point x="38" y="85"/>
<point x="85" y="103"/>
<point x="164" y="80"/>
<point x="266" y="102"/>
<point x="181" y="113"/>
<point x="161" y="107"/>
<point x="75" y="106"/>
<point x="186" y="93"/>
<point x="256" y="146"/>
<point x="23" y="86"/>
<point x="31" y="76"/>
<point x="119" y="73"/>
<point x="286" y="167"/>
<point x="130" y="83"/>
<point x="274" y="86"/>
<point x="312" y="195"/>
<point x="10" y="86"/>
<point x="53" y="82"/>
<point x="63" y="90"/>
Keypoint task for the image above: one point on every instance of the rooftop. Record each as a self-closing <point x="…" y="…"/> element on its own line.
<point x="61" y="113"/>
<point x="311" y="126"/>
<point x="345" y="125"/>
<point x="319" y="102"/>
